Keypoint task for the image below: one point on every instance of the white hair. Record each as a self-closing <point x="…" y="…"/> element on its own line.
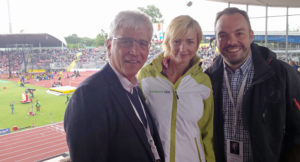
<point x="131" y="19"/>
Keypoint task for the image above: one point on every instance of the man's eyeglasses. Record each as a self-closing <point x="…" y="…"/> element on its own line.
<point x="128" y="42"/>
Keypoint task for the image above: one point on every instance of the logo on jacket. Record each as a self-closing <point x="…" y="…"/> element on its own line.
<point x="159" y="91"/>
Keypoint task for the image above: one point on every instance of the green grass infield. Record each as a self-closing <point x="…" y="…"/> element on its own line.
<point x="51" y="111"/>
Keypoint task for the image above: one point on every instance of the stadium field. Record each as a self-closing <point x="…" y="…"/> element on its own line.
<point x="51" y="111"/>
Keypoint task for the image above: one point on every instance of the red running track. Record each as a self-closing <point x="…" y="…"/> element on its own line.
<point x="48" y="83"/>
<point x="33" y="144"/>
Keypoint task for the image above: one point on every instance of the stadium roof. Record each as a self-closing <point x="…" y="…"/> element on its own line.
<point x="34" y="40"/>
<point x="275" y="3"/>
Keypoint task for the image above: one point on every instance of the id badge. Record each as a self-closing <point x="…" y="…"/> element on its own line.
<point x="234" y="151"/>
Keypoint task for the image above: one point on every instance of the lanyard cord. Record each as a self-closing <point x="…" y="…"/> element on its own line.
<point x="238" y="105"/>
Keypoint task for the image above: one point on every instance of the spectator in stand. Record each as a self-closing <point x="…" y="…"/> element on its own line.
<point x="256" y="96"/>
<point x="106" y="119"/>
<point x="174" y="84"/>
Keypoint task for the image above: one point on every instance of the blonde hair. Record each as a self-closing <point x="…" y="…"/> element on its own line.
<point x="178" y="27"/>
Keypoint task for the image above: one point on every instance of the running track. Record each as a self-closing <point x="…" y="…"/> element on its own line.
<point x="33" y="144"/>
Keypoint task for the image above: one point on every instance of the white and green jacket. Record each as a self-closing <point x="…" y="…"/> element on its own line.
<point x="182" y="112"/>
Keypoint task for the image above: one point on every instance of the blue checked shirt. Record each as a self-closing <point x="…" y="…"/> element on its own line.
<point x="235" y="81"/>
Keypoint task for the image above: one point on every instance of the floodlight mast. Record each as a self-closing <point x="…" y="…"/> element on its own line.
<point x="9" y="18"/>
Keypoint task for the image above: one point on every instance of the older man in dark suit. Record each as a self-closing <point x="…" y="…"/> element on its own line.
<point x="107" y="119"/>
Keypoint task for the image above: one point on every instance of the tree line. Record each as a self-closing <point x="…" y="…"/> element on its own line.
<point x="74" y="41"/>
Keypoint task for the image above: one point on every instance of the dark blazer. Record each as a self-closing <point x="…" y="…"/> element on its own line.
<point x="101" y="124"/>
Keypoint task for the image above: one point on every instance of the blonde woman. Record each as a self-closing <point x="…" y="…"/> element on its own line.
<point x="179" y="94"/>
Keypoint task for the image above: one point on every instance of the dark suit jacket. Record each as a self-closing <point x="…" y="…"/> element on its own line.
<point x="101" y="124"/>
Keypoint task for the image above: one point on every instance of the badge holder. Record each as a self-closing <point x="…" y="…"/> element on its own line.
<point x="234" y="151"/>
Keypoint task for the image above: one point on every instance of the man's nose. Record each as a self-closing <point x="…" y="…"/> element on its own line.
<point x="231" y="39"/>
<point x="134" y="47"/>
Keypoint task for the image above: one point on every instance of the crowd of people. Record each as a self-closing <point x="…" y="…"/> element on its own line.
<point x="13" y="58"/>
<point x="56" y="59"/>
<point x="50" y="59"/>
<point x="94" y="58"/>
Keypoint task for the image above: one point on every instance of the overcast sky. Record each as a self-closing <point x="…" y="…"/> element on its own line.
<point x="62" y="18"/>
